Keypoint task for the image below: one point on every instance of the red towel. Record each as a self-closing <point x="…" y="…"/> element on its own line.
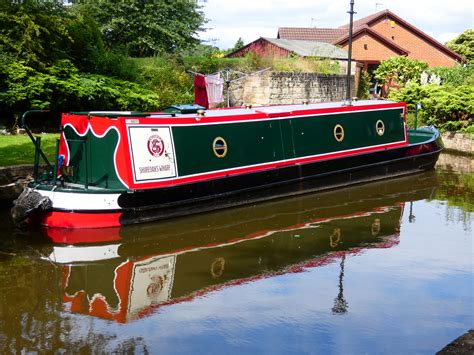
<point x="200" y="91"/>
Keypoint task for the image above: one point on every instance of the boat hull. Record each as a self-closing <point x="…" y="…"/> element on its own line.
<point x="139" y="206"/>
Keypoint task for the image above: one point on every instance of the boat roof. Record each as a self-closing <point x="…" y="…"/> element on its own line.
<point x="282" y="109"/>
<point x="268" y="110"/>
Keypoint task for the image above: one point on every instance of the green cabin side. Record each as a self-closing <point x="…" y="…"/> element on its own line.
<point x="92" y="159"/>
<point x="270" y="140"/>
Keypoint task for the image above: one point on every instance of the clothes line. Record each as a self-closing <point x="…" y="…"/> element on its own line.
<point x="209" y="88"/>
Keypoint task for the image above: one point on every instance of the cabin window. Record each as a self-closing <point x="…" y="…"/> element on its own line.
<point x="339" y="133"/>
<point x="219" y="146"/>
<point x="380" y="127"/>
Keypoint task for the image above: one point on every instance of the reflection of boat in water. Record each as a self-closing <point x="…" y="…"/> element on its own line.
<point x="126" y="288"/>
<point x="149" y="266"/>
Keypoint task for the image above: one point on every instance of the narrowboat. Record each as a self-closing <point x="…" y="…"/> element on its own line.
<point x="118" y="168"/>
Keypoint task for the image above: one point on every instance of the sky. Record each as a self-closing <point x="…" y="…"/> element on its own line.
<point x="251" y="19"/>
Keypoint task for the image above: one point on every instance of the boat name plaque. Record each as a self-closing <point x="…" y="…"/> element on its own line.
<point x="152" y="153"/>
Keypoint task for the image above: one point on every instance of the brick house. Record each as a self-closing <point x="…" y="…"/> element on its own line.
<point x="272" y="47"/>
<point x="377" y="37"/>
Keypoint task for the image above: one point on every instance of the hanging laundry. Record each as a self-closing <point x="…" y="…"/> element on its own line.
<point x="200" y="91"/>
<point x="215" y="89"/>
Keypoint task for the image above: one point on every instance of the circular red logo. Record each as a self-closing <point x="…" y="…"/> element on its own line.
<point x="156" y="146"/>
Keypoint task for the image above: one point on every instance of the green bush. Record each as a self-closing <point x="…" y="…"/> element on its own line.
<point x="400" y="71"/>
<point x="364" y="86"/>
<point x="458" y="75"/>
<point x="63" y="88"/>
<point x="448" y="107"/>
<point x="209" y="64"/>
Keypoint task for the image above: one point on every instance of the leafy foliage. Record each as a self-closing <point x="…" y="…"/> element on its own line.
<point x="168" y="77"/>
<point x="458" y="75"/>
<point x="147" y="27"/>
<point x="447" y="102"/>
<point x="211" y="64"/>
<point x="239" y="44"/>
<point x="447" y="107"/>
<point x="34" y="31"/>
<point x="399" y="71"/>
<point x="62" y="87"/>
<point x="364" y="85"/>
<point x="464" y="45"/>
<point x="56" y="56"/>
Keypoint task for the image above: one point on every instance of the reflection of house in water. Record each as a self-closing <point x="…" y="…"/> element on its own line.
<point x="127" y="287"/>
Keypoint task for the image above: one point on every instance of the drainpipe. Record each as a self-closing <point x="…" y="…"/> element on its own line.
<point x="349" y="59"/>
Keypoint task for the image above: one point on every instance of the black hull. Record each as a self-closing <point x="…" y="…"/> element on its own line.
<point x="150" y="205"/>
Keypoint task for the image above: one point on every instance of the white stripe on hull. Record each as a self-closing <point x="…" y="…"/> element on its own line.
<point x="82" y="201"/>
<point x="66" y="255"/>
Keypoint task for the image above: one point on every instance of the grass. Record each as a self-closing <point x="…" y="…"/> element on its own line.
<point x="18" y="149"/>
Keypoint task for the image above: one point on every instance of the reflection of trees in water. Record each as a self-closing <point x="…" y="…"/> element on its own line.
<point x="458" y="190"/>
<point x="32" y="317"/>
<point x="457" y="215"/>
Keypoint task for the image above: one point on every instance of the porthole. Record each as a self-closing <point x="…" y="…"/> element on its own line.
<point x="219" y="146"/>
<point x="380" y="127"/>
<point x="339" y="133"/>
<point x="217" y="268"/>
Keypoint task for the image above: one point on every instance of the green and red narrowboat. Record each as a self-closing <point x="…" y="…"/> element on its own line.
<point x="116" y="168"/>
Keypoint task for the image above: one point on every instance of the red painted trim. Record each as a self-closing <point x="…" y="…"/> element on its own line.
<point x="80" y="220"/>
<point x="75" y="236"/>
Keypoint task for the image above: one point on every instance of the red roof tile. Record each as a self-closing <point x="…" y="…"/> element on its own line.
<point x="328" y="35"/>
<point x="366" y="20"/>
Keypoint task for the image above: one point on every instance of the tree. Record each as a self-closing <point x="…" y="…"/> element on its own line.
<point x="34" y="32"/>
<point x="147" y="27"/>
<point x="239" y="44"/>
<point x="39" y="33"/>
<point x="464" y="45"/>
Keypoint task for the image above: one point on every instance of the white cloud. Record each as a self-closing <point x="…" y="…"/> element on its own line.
<point x="251" y="19"/>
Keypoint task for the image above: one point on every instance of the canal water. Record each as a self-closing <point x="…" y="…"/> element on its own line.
<point x="385" y="267"/>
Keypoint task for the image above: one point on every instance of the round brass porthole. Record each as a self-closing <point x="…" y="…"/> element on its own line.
<point x="219" y="146"/>
<point x="339" y="133"/>
<point x="380" y="127"/>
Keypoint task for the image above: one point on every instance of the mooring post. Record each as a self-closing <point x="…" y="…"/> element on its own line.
<point x="55" y="169"/>
<point x="37" y="142"/>
<point x="349" y="56"/>
<point x="417" y="108"/>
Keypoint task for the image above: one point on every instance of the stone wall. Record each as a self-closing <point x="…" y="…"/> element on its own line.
<point x="458" y="142"/>
<point x="270" y="87"/>
<point x="13" y="179"/>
